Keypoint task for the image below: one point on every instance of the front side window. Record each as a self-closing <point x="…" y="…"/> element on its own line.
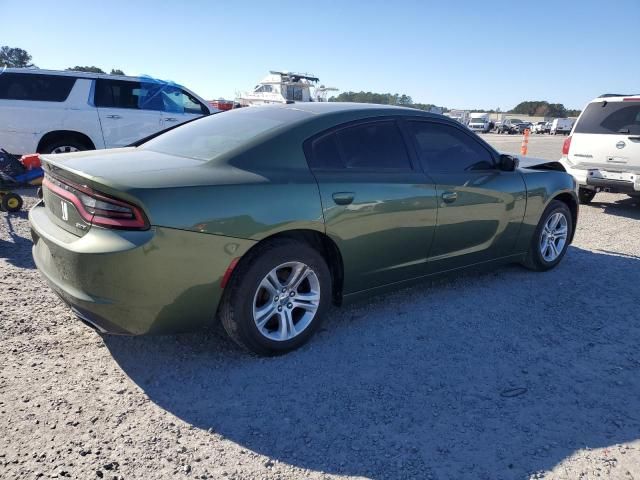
<point x="445" y="149"/>
<point x="610" y="118"/>
<point x="369" y="146"/>
<point x="176" y="100"/>
<point x="35" y="87"/>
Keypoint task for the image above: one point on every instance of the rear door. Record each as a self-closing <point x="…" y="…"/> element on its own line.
<point x="179" y="106"/>
<point x="480" y="208"/>
<point x="378" y="207"/>
<point x="607" y="136"/>
<point x="129" y="110"/>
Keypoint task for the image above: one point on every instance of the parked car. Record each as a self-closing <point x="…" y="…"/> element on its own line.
<point x="539" y="127"/>
<point x="508" y="126"/>
<point x="520" y="127"/>
<point x="267" y="215"/>
<point x="54" y="112"/>
<point x="603" y="151"/>
<point x="561" y="126"/>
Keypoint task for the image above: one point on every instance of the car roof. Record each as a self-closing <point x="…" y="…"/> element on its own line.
<point x="325" y="108"/>
<point x="76" y="74"/>
<point x="617" y="97"/>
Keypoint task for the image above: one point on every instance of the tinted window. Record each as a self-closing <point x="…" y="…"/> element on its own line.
<point x="375" y="146"/>
<point x="325" y="153"/>
<point x="610" y="118"/>
<point x="446" y="149"/>
<point x="128" y="94"/>
<point x="28" y="86"/>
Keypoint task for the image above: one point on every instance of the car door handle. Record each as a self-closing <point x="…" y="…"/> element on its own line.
<point x="114" y="116"/>
<point x="171" y="119"/>
<point x="343" y="198"/>
<point x="449" y="197"/>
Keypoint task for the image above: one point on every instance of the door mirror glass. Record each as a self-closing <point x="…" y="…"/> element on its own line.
<point x="508" y="163"/>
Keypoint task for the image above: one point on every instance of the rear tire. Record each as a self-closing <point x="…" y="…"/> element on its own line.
<point x="258" y="313"/>
<point x="551" y="238"/>
<point x="65" y="145"/>
<point x="586" y="195"/>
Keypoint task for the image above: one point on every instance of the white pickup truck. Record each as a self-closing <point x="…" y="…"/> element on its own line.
<point x="48" y="111"/>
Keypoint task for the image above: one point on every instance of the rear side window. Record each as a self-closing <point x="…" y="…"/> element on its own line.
<point x="369" y="146"/>
<point x="445" y="149"/>
<point x="610" y="118"/>
<point x="128" y="94"/>
<point x="35" y="87"/>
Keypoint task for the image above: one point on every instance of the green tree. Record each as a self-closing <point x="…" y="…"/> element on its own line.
<point x="116" y="71"/>
<point x="14" y="58"/>
<point x="540" y="108"/>
<point x="78" y="68"/>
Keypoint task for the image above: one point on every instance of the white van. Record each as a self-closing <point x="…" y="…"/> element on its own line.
<point x="603" y="151"/>
<point x="561" y="126"/>
<point x="48" y="111"/>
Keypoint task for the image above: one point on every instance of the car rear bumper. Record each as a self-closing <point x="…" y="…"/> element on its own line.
<point x="161" y="280"/>
<point x="613" y="186"/>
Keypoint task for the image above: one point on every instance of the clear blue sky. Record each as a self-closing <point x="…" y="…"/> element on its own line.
<point x="459" y="54"/>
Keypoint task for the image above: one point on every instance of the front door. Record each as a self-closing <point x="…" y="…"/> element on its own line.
<point x="480" y="207"/>
<point x="128" y="111"/>
<point x="378" y="207"/>
<point x="179" y="106"/>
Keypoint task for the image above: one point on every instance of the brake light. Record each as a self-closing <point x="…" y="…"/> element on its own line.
<point x="96" y="207"/>
<point x="631" y="99"/>
<point x="566" y="146"/>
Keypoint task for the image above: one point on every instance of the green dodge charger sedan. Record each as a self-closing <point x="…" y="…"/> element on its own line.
<point x="263" y="216"/>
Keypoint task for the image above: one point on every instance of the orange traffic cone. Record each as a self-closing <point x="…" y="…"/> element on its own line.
<point x="525" y="142"/>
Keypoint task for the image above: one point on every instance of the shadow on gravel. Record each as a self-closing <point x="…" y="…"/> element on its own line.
<point x="18" y="250"/>
<point x="626" y="207"/>
<point x="484" y="376"/>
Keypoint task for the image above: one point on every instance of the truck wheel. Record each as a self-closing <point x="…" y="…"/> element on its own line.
<point x="586" y="195"/>
<point x="65" y="145"/>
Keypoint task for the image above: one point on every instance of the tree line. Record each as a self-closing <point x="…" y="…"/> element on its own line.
<point x="12" y="57"/>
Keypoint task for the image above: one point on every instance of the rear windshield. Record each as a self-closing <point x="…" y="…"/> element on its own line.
<point x="610" y="118"/>
<point x="218" y="134"/>
<point x="35" y="87"/>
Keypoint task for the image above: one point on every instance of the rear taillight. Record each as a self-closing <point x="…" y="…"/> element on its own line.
<point x="96" y="207"/>
<point x="566" y="146"/>
<point x="631" y="99"/>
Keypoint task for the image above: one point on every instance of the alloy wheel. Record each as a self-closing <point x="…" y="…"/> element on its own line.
<point x="554" y="236"/>
<point x="65" y="149"/>
<point x="286" y="301"/>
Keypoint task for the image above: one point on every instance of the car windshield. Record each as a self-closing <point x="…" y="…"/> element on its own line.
<point x="218" y="134"/>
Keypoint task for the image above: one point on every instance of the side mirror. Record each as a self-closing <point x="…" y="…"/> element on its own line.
<point x="508" y="163"/>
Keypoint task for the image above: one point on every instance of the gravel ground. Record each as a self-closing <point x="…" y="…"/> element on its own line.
<point x="502" y="375"/>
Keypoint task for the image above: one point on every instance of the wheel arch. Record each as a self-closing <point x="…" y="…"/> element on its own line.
<point x="322" y="243"/>
<point x="571" y="202"/>
<point x="55" y="135"/>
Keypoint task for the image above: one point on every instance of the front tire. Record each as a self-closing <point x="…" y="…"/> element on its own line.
<point x="276" y="298"/>
<point x="551" y="238"/>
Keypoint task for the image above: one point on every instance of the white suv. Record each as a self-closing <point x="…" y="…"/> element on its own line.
<point x="54" y="112"/>
<point x="603" y="151"/>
